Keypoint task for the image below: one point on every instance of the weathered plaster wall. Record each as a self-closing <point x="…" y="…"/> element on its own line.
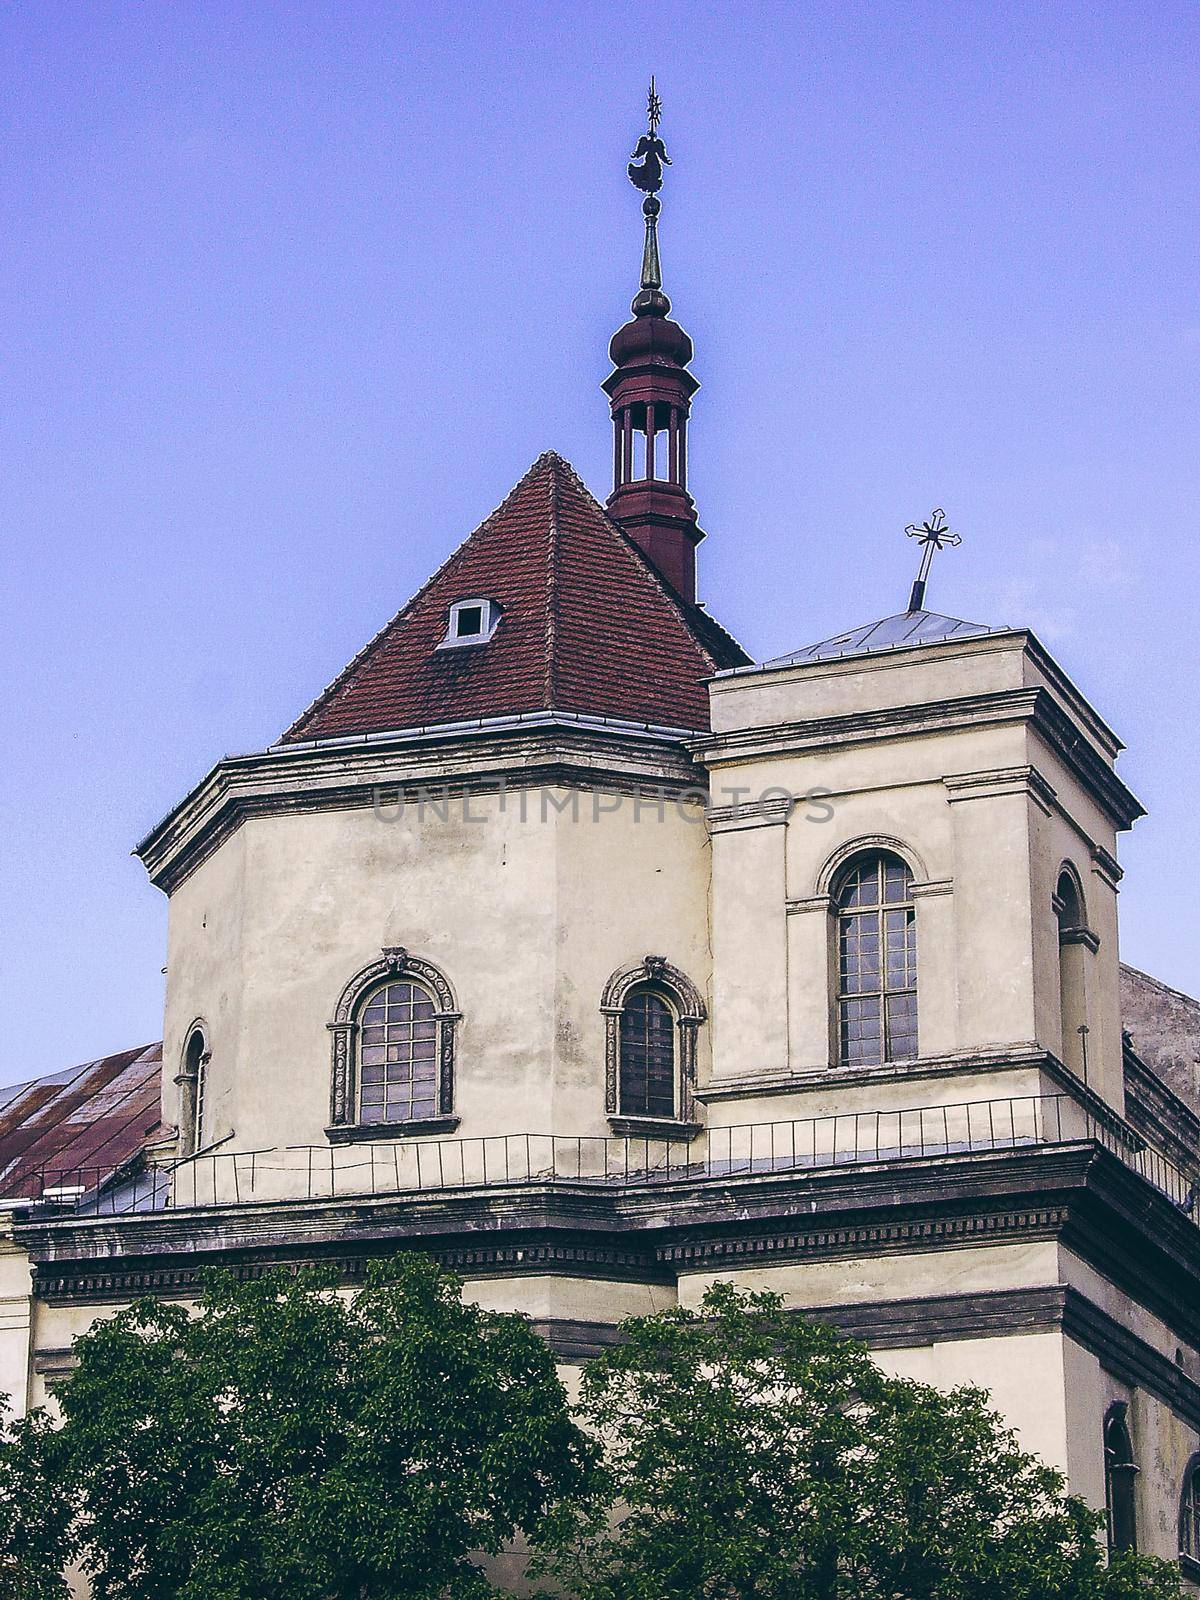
<point x="526" y="902"/>
<point x="983" y="808"/>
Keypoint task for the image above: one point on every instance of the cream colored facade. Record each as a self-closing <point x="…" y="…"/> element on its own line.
<point x="980" y="1213"/>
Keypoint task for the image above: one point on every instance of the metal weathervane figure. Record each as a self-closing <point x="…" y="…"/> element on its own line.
<point x="651" y="151"/>
<point x="933" y="535"/>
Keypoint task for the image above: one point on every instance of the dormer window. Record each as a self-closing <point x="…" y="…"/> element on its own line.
<point x="470" y="622"/>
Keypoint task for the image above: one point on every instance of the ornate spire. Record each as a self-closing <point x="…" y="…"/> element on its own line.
<point x="652" y="155"/>
<point x="651" y="393"/>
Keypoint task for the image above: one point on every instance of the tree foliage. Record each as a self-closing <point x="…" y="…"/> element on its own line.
<point x="288" y="1442"/>
<point x="35" y="1510"/>
<point x="755" y="1455"/>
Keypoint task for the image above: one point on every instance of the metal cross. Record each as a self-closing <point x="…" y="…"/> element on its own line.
<point x="653" y="108"/>
<point x="933" y="535"/>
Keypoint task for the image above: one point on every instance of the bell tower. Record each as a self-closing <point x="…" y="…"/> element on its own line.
<point x="650" y="391"/>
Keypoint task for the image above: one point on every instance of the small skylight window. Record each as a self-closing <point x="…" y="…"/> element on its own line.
<point x="470" y="622"/>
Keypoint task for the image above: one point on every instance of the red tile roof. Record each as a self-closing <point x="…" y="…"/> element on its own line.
<point x="79" y="1125"/>
<point x="587" y="626"/>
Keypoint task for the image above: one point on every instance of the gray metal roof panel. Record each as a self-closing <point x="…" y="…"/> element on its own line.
<point x="899" y="632"/>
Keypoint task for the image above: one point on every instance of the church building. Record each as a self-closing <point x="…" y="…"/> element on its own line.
<point x="562" y="940"/>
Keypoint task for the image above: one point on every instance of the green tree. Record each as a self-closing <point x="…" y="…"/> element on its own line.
<point x="755" y="1455"/>
<point x="35" y="1510"/>
<point x="287" y="1442"/>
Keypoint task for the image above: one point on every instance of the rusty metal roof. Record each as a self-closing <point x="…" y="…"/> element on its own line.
<point x="88" y="1120"/>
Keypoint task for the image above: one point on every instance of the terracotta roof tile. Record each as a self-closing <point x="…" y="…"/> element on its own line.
<point x="587" y="627"/>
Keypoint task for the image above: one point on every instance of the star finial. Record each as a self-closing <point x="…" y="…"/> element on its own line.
<point x="653" y="108"/>
<point x="933" y="534"/>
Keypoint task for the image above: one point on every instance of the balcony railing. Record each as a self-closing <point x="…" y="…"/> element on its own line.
<point x="419" y="1166"/>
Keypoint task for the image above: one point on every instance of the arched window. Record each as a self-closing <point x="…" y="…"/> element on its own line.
<point x="397" y="1054"/>
<point x="193" y="1092"/>
<point x="1074" y="941"/>
<point x="393" y="1038"/>
<point x="1120" y="1471"/>
<point x="647" y="1082"/>
<point x="877" y="961"/>
<point x="652" y="1014"/>
<point x="1189" y="1513"/>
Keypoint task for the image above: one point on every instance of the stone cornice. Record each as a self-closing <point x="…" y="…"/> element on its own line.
<point x="995" y="641"/>
<point x="1078" y="1193"/>
<point x="891" y="1324"/>
<point x="458" y="761"/>
<point x="989" y="784"/>
<point x="1015" y="1057"/>
<point x="768" y="811"/>
<point x="1032" y="706"/>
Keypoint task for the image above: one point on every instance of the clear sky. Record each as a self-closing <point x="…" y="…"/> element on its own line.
<point x="292" y="293"/>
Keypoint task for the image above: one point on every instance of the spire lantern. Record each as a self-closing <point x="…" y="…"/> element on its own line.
<point x="650" y="392"/>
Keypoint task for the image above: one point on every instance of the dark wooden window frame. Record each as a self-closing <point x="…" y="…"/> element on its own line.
<point x="395" y="965"/>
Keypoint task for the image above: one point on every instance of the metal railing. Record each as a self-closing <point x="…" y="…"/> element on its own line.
<point x="417" y="1166"/>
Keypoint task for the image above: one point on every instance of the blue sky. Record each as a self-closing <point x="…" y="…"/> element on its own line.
<point x="292" y="293"/>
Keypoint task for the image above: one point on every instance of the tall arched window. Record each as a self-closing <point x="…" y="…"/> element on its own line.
<point x="193" y="1092"/>
<point x="1074" y="941"/>
<point x="877" y="961"/>
<point x="647" y="1083"/>
<point x="393" y="1041"/>
<point x="1189" y="1513"/>
<point x="1120" y="1473"/>
<point x="397" y="1054"/>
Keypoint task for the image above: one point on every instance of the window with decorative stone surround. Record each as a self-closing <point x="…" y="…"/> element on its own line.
<point x="652" y="1013"/>
<point x="393" y="1042"/>
<point x="876" y="960"/>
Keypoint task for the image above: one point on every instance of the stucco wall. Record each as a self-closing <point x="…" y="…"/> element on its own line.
<point x="983" y="808"/>
<point x="527" y="903"/>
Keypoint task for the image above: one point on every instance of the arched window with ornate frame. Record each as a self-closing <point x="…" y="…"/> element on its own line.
<point x="1120" y="1479"/>
<point x="1189" y="1520"/>
<point x="393" y="1043"/>
<point x="875" y="932"/>
<point x="652" y="1014"/>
